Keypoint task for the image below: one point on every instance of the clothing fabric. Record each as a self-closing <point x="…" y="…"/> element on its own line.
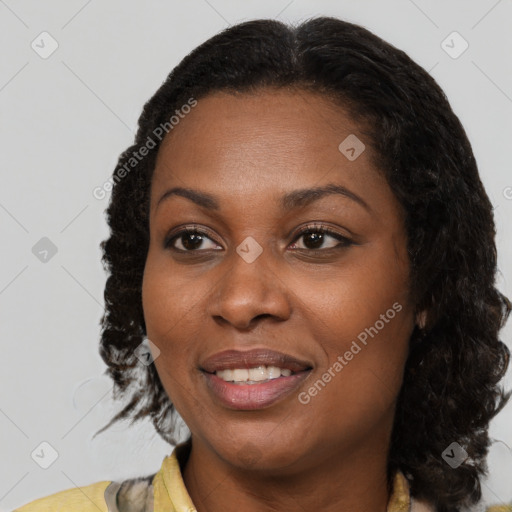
<point x="165" y="491"/>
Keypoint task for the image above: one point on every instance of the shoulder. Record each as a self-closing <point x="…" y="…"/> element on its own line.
<point x="79" y="499"/>
<point x="421" y="506"/>
<point x="132" y="495"/>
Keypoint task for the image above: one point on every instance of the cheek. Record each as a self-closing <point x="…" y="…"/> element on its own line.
<point x="361" y="374"/>
<point x="363" y="321"/>
<point x="364" y="293"/>
<point x="170" y="312"/>
<point x="170" y="301"/>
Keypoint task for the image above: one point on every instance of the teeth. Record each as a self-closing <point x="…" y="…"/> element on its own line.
<point x="240" y="375"/>
<point x="253" y="375"/>
<point x="274" y="372"/>
<point x="258" y="374"/>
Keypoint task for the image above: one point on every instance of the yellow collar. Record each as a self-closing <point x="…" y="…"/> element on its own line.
<point x="170" y="493"/>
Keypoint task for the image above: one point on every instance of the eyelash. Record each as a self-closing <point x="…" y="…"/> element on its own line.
<point x="313" y="228"/>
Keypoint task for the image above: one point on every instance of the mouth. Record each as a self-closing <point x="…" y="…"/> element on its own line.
<point x="253" y="379"/>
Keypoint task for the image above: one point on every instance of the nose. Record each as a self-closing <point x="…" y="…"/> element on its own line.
<point x="249" y="292"/>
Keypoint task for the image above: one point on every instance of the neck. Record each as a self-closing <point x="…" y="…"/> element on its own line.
<point x="335" y="482"/>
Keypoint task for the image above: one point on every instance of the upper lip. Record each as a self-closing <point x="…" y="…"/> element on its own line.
<point x="231" y="359"/>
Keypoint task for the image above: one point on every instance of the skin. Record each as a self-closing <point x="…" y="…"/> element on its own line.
<point x="308" y="299"/>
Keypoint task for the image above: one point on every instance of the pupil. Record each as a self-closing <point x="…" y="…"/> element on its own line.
<point x="316" y="238"/>
<point x="195" y="238"/>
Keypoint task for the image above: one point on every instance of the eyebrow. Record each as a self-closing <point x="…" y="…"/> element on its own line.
<point x="296" y="199"/>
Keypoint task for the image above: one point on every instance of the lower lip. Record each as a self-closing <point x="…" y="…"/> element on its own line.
<point x="253" y="396"/>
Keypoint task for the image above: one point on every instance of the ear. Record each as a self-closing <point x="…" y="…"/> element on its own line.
<point x="421" y="319"/>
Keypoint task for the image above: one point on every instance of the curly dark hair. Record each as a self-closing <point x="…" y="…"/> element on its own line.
<point x="450" y="390"/>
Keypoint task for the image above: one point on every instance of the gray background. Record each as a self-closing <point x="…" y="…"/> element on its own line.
<point x="64" y="121"/>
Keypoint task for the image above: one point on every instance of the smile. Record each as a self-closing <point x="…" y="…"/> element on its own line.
<point x="254" y="379"/>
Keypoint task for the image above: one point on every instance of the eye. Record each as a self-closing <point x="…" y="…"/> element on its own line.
<point x="316" y="235"/>
<point x="190" y="239"/>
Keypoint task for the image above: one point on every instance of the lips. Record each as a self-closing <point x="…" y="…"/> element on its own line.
<point x="233" y="359"/>
<point x="253" y="395"/>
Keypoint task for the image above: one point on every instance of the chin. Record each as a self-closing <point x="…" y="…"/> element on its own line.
<point x="259" y="452"/>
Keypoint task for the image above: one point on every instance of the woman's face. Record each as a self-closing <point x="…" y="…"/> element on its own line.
<point x="330" y="310"/>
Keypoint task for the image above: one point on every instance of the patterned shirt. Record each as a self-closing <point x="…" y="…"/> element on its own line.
<point x="165" y="491"/>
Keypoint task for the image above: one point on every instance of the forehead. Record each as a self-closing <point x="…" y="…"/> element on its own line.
<point x="269" y="142"/>
<point x="282" y="121"/>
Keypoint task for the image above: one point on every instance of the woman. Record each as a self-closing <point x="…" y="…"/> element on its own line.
<point x="301" y="265"/>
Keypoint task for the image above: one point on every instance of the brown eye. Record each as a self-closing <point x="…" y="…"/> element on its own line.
<point x="314" y="237"/>
<point x="190" y="240"/>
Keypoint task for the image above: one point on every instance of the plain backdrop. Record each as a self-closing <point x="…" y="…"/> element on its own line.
<point x="64" y="121"/>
